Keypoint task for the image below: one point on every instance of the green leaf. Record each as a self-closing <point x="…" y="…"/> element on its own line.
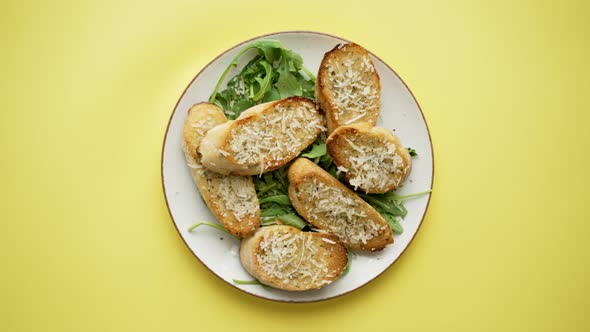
<point x="272" y="95"/>
<point x="400" y="208"/>
<point x="317" y="150"/>
<point x="295" y="60"/>
<point x="270" y="48"/>
<point x="306" y="84"/>
<point x="308" y="73"/>
<point x="287" y="83"/>
<point x="265" y="83"/>
<point x="273" y="212"/>
<point x="240" y="106"/>
<point x="292" y="220"/>
<point x="412" y="152"/>
<point x="261" y="190"/>
<point x="279" y="199"/>
<point x="205" y="223"/>
<point x="400" y="198"/>
<point x="272" y="74"/>
<point x="393" y="223"/>
<point x="348" y="262"/>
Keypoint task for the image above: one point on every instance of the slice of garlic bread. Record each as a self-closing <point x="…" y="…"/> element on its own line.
<point x="329" y="205"/>
<point x="232" y="199"/>
<point x="287" y="258"/>
<point x="372" y="159"/>
<point x="348" y="89"/>
<point x="262" y="138"/>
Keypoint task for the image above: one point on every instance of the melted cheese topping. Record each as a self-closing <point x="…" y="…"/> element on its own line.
<point x="354" y="89"/>
<point x="279" y="134"/>
<point x="373" y="165"/>
<point x="333" y="209"/>
<point x="293" y="259"/>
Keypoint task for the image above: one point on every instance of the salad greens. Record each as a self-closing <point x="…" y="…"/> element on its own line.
<point x="274" y="73"/>
<point x="272" y="191"/>
<point x="250" y="282"/>
<point x="210" y="224"/>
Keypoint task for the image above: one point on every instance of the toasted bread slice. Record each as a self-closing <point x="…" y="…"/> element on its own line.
<point x="287" y="258"/>
<point x="348" y="89"/>
<point x="372" y="159"/>
<point x="263" y="138"/>
<point x="327" y="204"/>
<point x="232" y="199"/>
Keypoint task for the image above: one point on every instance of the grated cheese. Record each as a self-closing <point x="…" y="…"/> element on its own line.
<point x="373" y="165"/>
<point x="232" y="193"/>
<point x="333" y="209"/>
<point x="355" y="92"/>
<point x="278" y="135"/>
<point x="293" y="257"/>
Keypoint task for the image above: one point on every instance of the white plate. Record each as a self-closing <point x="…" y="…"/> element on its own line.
<point x="218" y="251"/>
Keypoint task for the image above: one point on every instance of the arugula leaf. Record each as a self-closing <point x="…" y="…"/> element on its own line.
<point x="400" y="198"/>
<point x="273" y="212"/>
<point x="390" y="206"/>
<point x="210" y="224"/>
<point x="318" y="150"/>
<point x="272" y="94"/>
<point x="295" y="59"/>
<point x="393" y="223"/>
<point x="287" y="83"/>
<point x="348" y="262"/>
<point x="274" y="73"/>
<point x="251" y="282"/>
<point x="265" y="82"/>
<point x="241" y="105"/>
<point x="280" y="199"/>
<point x="292" y="219"/>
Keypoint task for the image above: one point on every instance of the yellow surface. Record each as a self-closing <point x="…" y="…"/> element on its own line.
<point x="86" y="90"/>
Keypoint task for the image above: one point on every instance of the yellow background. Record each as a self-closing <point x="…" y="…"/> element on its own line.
<point x="86" y="90"/>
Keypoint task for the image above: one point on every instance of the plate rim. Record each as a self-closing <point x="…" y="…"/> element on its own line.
<point x="168" y="129"/>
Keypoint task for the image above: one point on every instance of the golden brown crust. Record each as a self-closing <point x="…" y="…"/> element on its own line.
<point x="302" y="174"/>
<point x="333" y="63"/>
<point x="330" y="254"/>
<point x="220" y="156"/>
<point x="370" y="138"/>
<point x="201" y="117"/>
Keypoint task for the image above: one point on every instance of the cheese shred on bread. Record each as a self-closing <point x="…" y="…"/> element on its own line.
<point x="348" y="89"/>
<point x="263" y="138"/>
<point x="287" y="258"/>
<point x="329" y="205"/>
<point x="232" y="199"/>
<point x="372" y="159"/>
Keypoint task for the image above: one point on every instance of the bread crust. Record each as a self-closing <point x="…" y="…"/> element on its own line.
<point x="220" y="152"/>
<point x="201" y="117"/>
<point x="303" y="175"/>
<point x="371" y="138"/>
<point x="330" y="255"/>
<point x="334" y="63"/>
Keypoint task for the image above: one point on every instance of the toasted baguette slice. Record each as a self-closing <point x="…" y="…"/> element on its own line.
<point x="232" y="199"/>
<point x="287" y="258"/>
<point x="372" y="159"/>
<point x="263" y="138"/>
<point x="329" y="205"/>
<point x="348" y="89"/>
